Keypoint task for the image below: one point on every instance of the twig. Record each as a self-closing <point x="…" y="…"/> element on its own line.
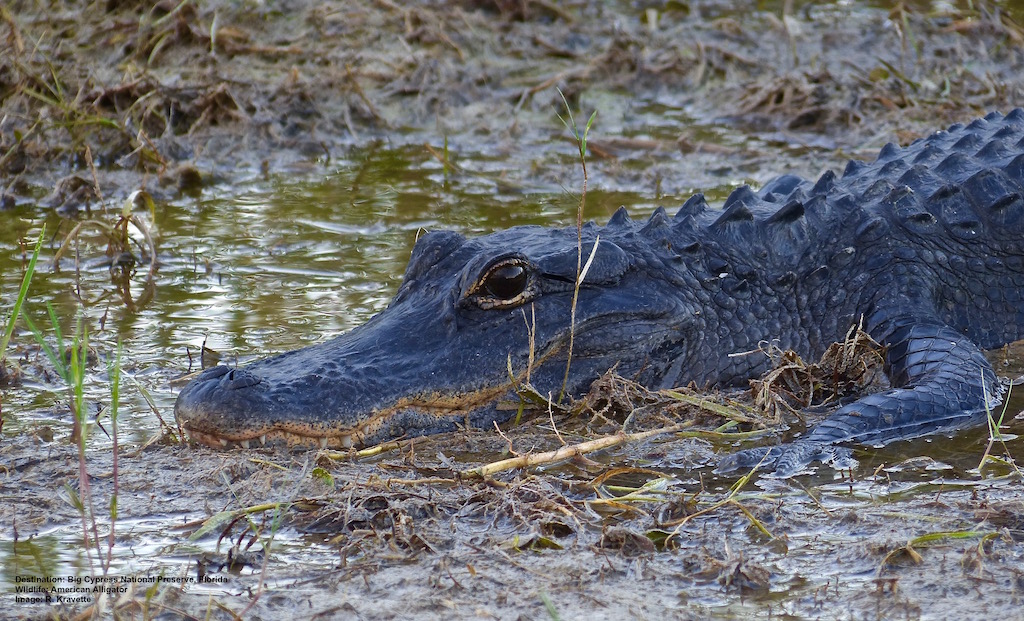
<point x="568" y="452"/>
<point x="551" y="417"/>
<point x="506" y="438"/>
<point x="423" y="481"/>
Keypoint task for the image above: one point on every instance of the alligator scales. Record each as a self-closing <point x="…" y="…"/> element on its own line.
<point x="925" y="245"/>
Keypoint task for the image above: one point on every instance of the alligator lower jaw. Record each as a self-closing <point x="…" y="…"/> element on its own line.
<point x="451" y="407"/>
<point x="276" y="438"/>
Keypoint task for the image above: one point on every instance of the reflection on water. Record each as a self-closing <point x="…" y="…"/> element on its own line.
<point x="147" y="552"/>
<point x="35" y="561"/>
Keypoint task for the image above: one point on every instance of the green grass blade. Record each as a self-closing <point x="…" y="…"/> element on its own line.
<point x="55" y="324"/>
<point x="22" y="293"/>
<point x="571" y="123"/>
<point x="586" y="131"/>
<point x="223" y="517"/>
<point x="76" y="373"/>
<point x="55" y="360"/>
<point x="114" y="370"/>
<point x="73" y="498"/>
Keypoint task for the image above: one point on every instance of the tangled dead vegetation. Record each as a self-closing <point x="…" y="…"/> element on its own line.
<point x="143" y="88"/>
<point x="846" y="371"/>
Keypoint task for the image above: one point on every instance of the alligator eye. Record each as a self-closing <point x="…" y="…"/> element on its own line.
<point x="504" y="285"/>
<point x="505" y="282"/>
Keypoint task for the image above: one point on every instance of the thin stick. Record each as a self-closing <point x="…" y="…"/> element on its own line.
<point x="568" y="452"/>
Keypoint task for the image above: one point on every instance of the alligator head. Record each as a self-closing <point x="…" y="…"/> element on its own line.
<point x="472" y="320"/>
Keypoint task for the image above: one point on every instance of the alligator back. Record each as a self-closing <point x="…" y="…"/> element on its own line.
<point x="947" y="215"/>
<point x="932" y="230"/>
<point x="926" y="244"/>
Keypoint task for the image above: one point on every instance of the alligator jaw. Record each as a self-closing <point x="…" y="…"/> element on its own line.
<point x="272" y="438"/>
<point x="447" y="409"/>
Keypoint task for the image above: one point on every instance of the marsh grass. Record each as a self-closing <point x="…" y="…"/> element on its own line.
<point x="527" y="394"/>
<point x="581" y="143"/>
<point x="19" y="301"/>
<point x="74" y="114"/>
<point x="995" y="433"/>
<point x="47" y="92"/>
<point x="70" y="362"/>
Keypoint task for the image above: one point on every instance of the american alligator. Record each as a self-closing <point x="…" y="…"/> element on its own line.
<point x="925" y="246"/>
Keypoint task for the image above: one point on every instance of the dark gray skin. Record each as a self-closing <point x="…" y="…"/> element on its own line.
<point x="925" y="246"/>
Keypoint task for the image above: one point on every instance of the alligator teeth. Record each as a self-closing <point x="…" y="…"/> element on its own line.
<point x="323" y="442"/>
<point x="223" y="443"/>
<point x="263" y="440"/>
<point x="244" y="444"/>
<point x="346" y="442"/>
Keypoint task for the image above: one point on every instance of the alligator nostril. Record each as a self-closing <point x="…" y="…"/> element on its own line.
<point x="239" y="378"/>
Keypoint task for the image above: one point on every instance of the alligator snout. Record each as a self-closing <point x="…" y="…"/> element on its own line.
<point x="207" y="408"/>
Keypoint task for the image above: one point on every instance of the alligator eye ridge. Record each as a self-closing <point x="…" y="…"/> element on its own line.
<point x="504" y="285"/>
